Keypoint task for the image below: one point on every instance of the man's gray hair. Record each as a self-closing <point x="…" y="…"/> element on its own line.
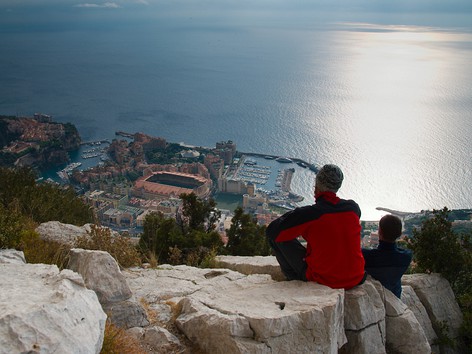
<point x="329" y="178"/>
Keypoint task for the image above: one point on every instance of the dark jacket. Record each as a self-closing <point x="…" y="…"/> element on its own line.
<point x="331" y="228"/>
<point x="387" y="263"/>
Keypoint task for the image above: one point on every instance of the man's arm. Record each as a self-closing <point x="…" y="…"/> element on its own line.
<point x="290" y="225"/>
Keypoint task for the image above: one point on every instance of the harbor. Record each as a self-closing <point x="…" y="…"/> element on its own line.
<point x="274" y="178"/>
<point x="90" y="154"/>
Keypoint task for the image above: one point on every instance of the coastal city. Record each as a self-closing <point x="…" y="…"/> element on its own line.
<point x="126" y="178"/>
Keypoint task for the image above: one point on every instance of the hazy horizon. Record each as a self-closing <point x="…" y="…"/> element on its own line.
<point x="382" y="89"/>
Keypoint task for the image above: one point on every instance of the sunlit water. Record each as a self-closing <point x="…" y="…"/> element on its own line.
<point x="391" y="106"/>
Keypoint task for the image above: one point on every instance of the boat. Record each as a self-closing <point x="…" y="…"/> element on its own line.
<point x="302" y="164"/>
<point x="268" y="157"/>
<point x="283" y="160"/>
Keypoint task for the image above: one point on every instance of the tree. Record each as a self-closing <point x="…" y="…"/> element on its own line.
<point x="199" y="214"/>
<point x="171" y="243"/>
<point x="437" y="248"/>
<point x="41" y="202"/>
<point x="11" y="227"/>
<point x="246" y="237"/>
<point x="160" y="234"/>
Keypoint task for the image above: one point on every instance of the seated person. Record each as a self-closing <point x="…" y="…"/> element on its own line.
<point x="388" y="262"/>
<point x="331" y="229"/>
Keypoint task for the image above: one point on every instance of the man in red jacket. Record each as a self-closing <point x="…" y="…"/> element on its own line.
<point x="332" y="231"/>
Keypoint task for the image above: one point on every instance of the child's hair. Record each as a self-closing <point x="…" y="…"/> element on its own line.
<point x="390" y="226"/>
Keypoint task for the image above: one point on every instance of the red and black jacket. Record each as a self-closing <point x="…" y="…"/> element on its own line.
<point x="332" y="230"/>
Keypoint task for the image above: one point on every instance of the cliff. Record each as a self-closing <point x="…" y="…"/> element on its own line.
<point x="38" y="142"/>
<point x="175" y="309"/>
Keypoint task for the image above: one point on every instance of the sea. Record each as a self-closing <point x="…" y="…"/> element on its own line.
<point x="388" y="100"/>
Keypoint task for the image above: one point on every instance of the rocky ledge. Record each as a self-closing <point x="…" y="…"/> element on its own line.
<point x="176" y="309"/>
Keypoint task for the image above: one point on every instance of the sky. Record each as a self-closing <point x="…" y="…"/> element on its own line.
<point x="19" y="15"/>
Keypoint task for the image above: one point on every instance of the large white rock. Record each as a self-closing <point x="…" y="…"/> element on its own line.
<point x="437" y="297"/>
<point x="270" y="317"/>
<point x="43" y="310"/>
<point x="65" y="233"/>
<point x="12" y="257"/>
<point x="227" y="312"/>
<point x="157" y="339"/>
<point x="404" y="333"/>
<point x="174" y="282"/>
<point x="252" y="265"/>
<point x="410" y="299"/>
<point x="102" y="274"/>
<point x="59" y="232"/>
<point x="364" y="320"/>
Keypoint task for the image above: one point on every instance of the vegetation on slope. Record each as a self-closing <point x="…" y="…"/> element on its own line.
<point x="438" y="249"/>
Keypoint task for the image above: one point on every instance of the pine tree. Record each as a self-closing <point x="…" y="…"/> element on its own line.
<point x="246" y="237"/>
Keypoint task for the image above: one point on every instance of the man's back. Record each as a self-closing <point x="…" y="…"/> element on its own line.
<point x="331" y="228"/>
<point x="387" y="264"/>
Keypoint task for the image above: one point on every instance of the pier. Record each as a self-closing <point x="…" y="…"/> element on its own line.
<point x="124" y="134"/>
<point x="298" y="161"/>
<point x="95" y="142"/>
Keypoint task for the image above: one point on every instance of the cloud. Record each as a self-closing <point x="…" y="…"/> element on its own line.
<point x="110" y="5"/>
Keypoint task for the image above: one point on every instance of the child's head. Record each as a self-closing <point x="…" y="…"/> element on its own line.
<point x="390" y="228"/>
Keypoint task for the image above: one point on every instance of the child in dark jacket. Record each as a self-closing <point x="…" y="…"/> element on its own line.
<point x="388" y="262"/>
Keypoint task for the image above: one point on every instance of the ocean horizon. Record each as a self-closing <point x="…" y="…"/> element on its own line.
<point x="386" y="98"/>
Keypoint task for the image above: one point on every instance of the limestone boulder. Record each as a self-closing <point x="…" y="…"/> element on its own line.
<point x="221" y="310"/>
<point x="248" y="316"/>
<point x="43" y="310"/>
<point x="157" y="339"/>
<point x="59" y="232"/>
<point x="12" y="257"/>
<point x="410" y="299"/>
<point x="66" y="234"/>
<point x="175" y="282"/>
<point x="252" y="265"/>
<point x="364" y="320"/>
<point x="102" y="274"/>
<point x="127" y="314"/>
<point x="404" y="334"/>
<point x="437" y="297"/>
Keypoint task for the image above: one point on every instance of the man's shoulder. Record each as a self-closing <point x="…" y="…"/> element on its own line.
<point x="349" y="205"/>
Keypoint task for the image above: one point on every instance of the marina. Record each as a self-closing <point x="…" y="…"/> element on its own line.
<point x="66" y="171"/>
<point x="272" y="178"/>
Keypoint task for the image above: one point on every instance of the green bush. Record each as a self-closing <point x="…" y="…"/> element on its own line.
<point x="37" y="250"/>
<point x="41" y="202"/>
<point x="437" y="248"/>
<point x="11" y="226"/>
<point x="119" y="247"/>
<point x="192" y="240"/>
<point x="246" y="237"/>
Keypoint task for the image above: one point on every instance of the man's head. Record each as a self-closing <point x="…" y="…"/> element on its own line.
<point x="390" y="228"/>
<point x="329" y="179"/>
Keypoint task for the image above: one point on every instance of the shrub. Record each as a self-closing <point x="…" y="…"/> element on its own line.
<point x="117" y="341"/>
<point x="41" y="202"/>
<point x="246" y="237"/>
<point x="437" y="248"/>
<point x="119" y="247"/>
<point x="37" y="250"/>
<point x="11" y="227"/>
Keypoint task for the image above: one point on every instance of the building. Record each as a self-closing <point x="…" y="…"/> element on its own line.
<point x="233" y="186"/>
<point x="226" y="150"/>
<point x="215" y="165"/>
<point x="371" y="241"/>
<point x="254" y="203"/>
<point x="123" y="216"/>
<point x="97" y="197"/>
<point x="164" y="185"/>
